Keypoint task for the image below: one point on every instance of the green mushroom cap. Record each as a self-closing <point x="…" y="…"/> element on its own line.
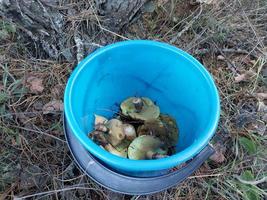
<point x="140" y="108"/>
<point x="144" y="146"/>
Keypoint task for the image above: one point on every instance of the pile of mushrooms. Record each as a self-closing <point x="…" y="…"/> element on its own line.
<point x="138" y="132"/>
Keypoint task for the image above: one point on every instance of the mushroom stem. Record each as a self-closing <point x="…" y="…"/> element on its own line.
<point x="129" y="131"/>
<point x="101" y="127"/>
<point x="116" y="134"/>
<point x="138" y="104"/>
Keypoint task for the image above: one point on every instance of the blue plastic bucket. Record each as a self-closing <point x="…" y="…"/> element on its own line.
<point x="179" y="84"/>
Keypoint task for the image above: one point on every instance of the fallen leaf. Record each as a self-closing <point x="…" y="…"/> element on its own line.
<point x="244" y="77"/>
<point x="57" y="91"/>
<point x="220" y="57"/>
<point x="262" y="107"/>
<point x="248" y="61"/>
<point x="261" y="96"/>
<point x="38" y="105"/>
<point x="31" y="177"/>
<point x="218" y="156"/>
<point x="53" y="106"/>
<point x="22" y="117"/>
<point x="259" y="127"/>
<point x="35" y="84"/>
<point x="244" y="119"/>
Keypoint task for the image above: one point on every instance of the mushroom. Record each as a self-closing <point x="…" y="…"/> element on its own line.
<point x="101" y="127"/>
<point x="123" y="147"/>
<point x="152" y="127"/>
<point x="172" y="129"/>
<point x="129" y="131"/>
<point x="100" y="138"/>
<point x="165" y="128"/>
<point x="144" y="147"/>
<point x="140" y="108"/>
<point x="116" y="134"/>
<point x="114" y="151"/>
<point x="100" y="120"/>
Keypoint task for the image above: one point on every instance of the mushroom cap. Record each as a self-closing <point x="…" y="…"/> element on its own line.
<point x="116" y="134"/>
<point x="139" y="147"/>
<point x="172" y="129"/>
<point x="165" y="128"/>
<point x="152" y="127"/>
<point x="100" y="119"/>
<point x="147" y="111"/>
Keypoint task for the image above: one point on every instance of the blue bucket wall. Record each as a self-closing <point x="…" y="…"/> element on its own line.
<point x="178" y="84"/>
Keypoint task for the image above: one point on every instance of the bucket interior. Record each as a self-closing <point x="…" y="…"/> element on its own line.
<point x="170" y="79"/>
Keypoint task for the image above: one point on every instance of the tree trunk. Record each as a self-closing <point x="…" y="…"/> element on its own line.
<point x="69" y="28"/>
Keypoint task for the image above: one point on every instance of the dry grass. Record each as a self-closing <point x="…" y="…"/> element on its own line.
<point x="35" y="161"/>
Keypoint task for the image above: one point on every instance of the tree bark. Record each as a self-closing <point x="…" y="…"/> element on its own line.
<point x="68" y="28"/>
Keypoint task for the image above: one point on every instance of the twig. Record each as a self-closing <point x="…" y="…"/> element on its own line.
<point x="56" y="191"/>
<point x="31" y="130"/>
<point x="205" y="175"/>
<point x="187" y="26"/>
<point x="251" y="26"/>
<point x="93" y="44"/>
<point x="135" y="197"/>
<point x="18" y="113"/>
<point x="70" y="180"/>
<point x="261" y="62"/>
<point x="109" y="31"/>
<point x="239" y="51"/>
<point x="229" y="62"/>
<point x="262" y="180"/>
<point x="177" y="24"/>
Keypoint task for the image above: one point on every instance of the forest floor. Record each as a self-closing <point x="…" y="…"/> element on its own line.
<point x="228" y="37"/>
